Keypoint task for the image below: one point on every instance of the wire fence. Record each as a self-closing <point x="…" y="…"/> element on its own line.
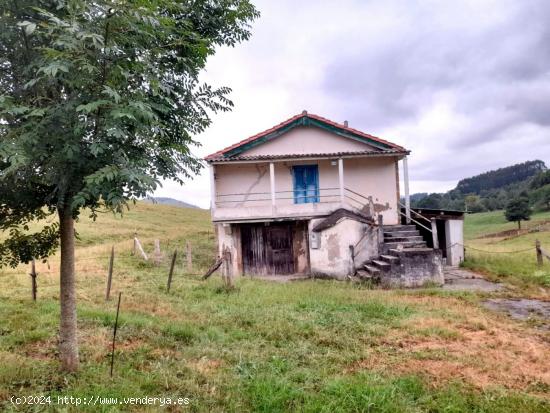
<point x="194" y="261"/>
<point x="467" y="247"/>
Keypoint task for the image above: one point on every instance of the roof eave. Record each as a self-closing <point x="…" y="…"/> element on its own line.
<point x="298" y="157"/>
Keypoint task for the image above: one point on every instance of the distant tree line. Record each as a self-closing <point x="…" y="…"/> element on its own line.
<point x="500" y="178"/>
<point x="494" y="190"/>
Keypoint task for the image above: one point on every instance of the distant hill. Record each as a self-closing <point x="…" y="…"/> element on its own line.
<point x="492" y="190"/>
<point x="169" y="201"/>
<point x="500" y="178"/>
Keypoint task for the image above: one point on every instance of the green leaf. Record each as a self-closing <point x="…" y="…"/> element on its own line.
<point x="53" y="68"/>
<point x="92" y="106"/>
<point x="37" y="113"/>
<point x="107" y="90"/>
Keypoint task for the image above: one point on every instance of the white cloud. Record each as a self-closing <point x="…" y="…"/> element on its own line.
<point x="465" y="85"/>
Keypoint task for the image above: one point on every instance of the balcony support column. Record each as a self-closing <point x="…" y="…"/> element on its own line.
<point x="212" y="188"/>
<point x="272" y="184"/>
<point x="406" y="184"/>
<point x="341" y="180"/>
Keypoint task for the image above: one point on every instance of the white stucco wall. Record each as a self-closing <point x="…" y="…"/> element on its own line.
<point x="333" y="257"/>
<point x="454" y="237"/>
<point x="304" y="140"/>
<point x="243" y="190"/>
<point x="228" y="236"/>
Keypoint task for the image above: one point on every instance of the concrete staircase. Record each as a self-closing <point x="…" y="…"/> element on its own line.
<point x="406" y="235"/>
<point x="405" y="260"/>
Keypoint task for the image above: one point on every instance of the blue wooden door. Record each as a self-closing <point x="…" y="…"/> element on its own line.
<point x="306" y="184"/>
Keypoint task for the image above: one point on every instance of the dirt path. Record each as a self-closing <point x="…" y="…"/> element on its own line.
<point x="458" y="279"/>
<point x="522" y="309"/>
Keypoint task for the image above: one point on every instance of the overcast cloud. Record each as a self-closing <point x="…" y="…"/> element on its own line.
<point x="465" y="85"/>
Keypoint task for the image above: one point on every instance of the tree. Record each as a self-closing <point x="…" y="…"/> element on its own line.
<point x="473" y="203"/>
<point x="545" y="198"/>
<point x="518" y="210"/>
<point x="432" y="201"/>
<point x="99" y="101"/>
<point x="540" y="180"/>
<point x="541" y="197"/>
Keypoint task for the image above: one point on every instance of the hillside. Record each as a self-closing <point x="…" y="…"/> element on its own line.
<point x="496" y="248"/>
<point x="312" y="346"/>
<point x="500" y="178"/>
<point x="169" y="201"/>
<point x="493" y="190"/>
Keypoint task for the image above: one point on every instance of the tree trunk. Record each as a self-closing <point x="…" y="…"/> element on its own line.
<point x="68" y="345"/>
<point x="519" y="225"/>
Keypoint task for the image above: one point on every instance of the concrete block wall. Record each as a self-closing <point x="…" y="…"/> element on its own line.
<point x="415" y="269"/>
<point x="332" y="258"/>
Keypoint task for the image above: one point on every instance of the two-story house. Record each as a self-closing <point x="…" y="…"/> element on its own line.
<point x="312" y="196"/>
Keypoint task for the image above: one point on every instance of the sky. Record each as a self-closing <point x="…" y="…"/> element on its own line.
<point x="464" y="84"/>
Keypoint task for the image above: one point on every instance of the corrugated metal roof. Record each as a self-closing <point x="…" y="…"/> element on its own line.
<point x="222" y="155"/>
<point x="308" y="155"/>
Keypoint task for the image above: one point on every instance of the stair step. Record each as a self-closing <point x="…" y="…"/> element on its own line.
<point x="414" y="249"/>
<point x="364" y="275"/>
<point x="400" y="227"/>
<point x="383" y="265"/>
<point x="411" y="233"/>
<point x="372" y="270"/>
<point x="411" y="244"/>
<point x="389" y="258"/>
<point x="416" y="238"/>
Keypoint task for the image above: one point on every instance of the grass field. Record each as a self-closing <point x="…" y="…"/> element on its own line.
<point x="490" y="232"/>
<point x="312" y="346"/>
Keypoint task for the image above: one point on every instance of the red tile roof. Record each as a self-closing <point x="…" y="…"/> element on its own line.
<point x="223" y="153"/>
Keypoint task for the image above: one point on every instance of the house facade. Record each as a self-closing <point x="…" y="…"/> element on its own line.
<point x="308" y="196"/>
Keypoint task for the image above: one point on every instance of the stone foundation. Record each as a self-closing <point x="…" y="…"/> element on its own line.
<point x="415" y="268"/>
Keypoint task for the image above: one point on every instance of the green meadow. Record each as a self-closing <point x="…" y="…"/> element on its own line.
<point x="304" y="346"/>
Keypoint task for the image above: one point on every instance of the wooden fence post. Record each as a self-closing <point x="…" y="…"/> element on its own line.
<point x="189" y="256"/>
<point x="110" y="275"/>
<point x="135" y="243"/>
<point x="33" y="275"/>
<point x="157" y="258"/>
<point x="114" y="333"/>
<point x="171" y="270"/>
<point x="539" y="253"/>
<point x="140" y="249"/>
<point x="227" y="270"/>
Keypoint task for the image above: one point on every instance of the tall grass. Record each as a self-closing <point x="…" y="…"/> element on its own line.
<point x="263" y="347"/>
<point x="501" y="257"/>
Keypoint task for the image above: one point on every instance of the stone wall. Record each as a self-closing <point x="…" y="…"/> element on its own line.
<point x="415" y="268"/>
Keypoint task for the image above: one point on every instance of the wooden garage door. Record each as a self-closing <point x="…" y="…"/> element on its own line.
<point x="267" y="250"/>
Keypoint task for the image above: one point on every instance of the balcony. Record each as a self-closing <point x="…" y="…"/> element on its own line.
<point x="288" y="204"/>
<point x="263" y="191"/>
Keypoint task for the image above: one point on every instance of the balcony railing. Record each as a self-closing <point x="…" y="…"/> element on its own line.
<point x="322" y="195"/>
<point x="288" y="198"/>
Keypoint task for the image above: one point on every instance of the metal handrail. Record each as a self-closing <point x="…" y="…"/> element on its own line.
<point x="358" y="194"/>
<point x="416" y="222"/>
<point x="352" y="199"/>
<point x="263" y="197"/>
<point x="269" y="193"/>
<point x="414" y="212"/>
<point x="237" y="201"/>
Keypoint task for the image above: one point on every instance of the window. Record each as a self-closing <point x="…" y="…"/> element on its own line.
<point x="306" y="183"/>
